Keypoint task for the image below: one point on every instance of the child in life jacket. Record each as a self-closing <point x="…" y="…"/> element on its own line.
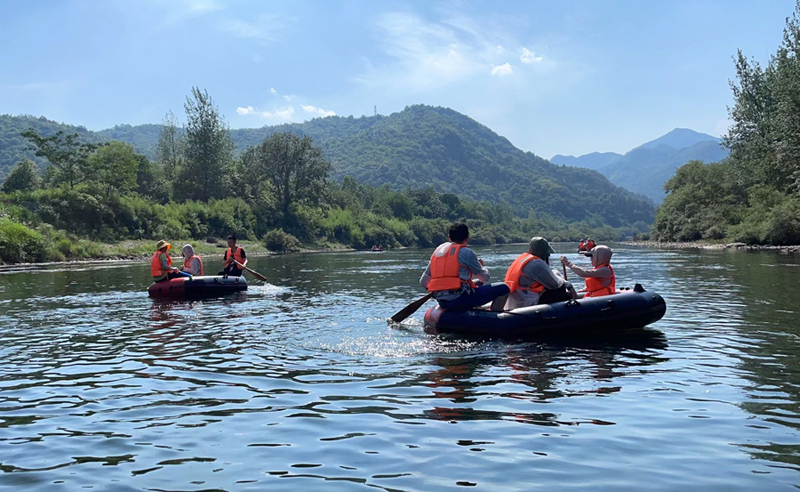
<point x="600" y="280"/>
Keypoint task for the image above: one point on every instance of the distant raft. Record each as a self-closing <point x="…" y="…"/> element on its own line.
<point x="194" y="287"/>
<point x="625" y="310"/>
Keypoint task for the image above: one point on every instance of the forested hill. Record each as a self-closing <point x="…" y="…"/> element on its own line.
<point x="425" y="146"/>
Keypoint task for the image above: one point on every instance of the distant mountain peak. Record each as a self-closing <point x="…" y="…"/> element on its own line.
<point x="679" y="138"/>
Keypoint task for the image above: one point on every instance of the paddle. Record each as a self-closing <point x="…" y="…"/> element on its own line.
<point x="255" y="273"/>
<point x="410" y="309"/>
<point x="565" y="270"/>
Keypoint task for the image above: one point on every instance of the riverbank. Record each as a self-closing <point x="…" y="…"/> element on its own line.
<point x="141" y="250"/>
<point x="708" y="245"/>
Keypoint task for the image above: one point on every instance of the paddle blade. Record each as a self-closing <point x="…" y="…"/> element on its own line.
<point x="255" y="273"/>
<point x="410" y="309"/>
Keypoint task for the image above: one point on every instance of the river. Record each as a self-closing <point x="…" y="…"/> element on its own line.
<point x="302" y="385"/>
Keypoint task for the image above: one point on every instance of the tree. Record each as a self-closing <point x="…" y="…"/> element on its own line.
<point x="64" y="152"/>
<point x="292" y="166"/>
<point x="171" y="148"/>
<point x="209" y="150"/>
<point x="151" y="181"/>
<point x="114" y="167"/>
<point x="23" y="177"/>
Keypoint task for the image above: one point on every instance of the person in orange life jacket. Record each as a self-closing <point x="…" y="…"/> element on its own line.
<point x="233" y="253"/>
<point x="192" y="264"/>
<point x="532" y="281"/>
<point x="600" y="280"/>
<point x="450" y="271"/>
<point x="589" y="244"/>
<point x="161" y="264"/>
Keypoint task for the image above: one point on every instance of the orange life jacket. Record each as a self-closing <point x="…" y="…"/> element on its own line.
<point x="590" y="245"/>
<point x="236" y="256"/>
<point x="595" y="287"/>
<point x="515" y="272"/>
<point x="155" y="264"/>
<point x="444" y="271"/>
<point x="187" y="263"/>
<point x="582" y="245"/>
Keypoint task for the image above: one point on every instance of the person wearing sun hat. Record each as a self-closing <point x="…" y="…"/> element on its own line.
<point x="531" y="279"/>
<point x="161" y="264"/>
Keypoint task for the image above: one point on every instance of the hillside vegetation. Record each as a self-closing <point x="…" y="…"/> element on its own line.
<point x="281" y="190"/>
<point x="424" y="146"/>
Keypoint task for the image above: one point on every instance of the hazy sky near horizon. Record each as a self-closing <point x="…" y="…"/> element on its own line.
<point x="553" y="77"/>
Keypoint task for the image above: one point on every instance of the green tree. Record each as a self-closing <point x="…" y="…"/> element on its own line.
<point x="151" y="180"/>
<point x="64" y="152"/>
<point x="209" y="150"/>
<point x="292" y="166"/>
<point x="171" y="148"/>
<point x="23" y="177"/>
<point x="114" y="167"/>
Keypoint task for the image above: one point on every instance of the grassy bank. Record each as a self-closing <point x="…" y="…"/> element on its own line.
<point x="713" y="245"/>
<point x="21" y="244"/>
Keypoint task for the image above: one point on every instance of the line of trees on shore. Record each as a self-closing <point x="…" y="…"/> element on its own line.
<point x="754" y="195"/>
<point x="278" y="191"/>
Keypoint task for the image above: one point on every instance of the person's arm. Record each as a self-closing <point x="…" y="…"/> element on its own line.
<point x="541" y="272"/>
<point x="469" y="260"/>
<point x="425" y="279"/>
<point x="601" y="273"/>
<point x="164" y="265"/>
<point x="194" y="266"/>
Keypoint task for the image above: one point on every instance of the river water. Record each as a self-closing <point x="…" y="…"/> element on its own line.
<point x="302" y="385"/>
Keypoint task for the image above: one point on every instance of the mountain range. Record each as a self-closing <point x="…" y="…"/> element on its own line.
<point x="646" y="168"/>
<point x="421" y="146"/>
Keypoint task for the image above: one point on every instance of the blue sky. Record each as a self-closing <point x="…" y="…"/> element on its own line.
<point x="553" y="77"/>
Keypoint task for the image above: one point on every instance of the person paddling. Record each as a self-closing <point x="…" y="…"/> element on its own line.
<point x="531" y="279"/>
<point x="161" y="264"/>
<point x="600" y="280"/>
<point x="232" y="255"/>
<point x="450" y="272"/>
<point x="192" y="264"/>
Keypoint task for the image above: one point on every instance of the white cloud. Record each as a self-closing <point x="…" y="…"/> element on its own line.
<point x="424" y="54"/>
<point x="265" y="28"/>
<point x="283" y="113"/>
<point x="272" y="90"/>
<point x="178" y="11"/>
<point x="289" y="97"/>
<point x="421" y="53"/>
<point x="529" y="57"/>
<point x="501" y="70"/>
<point x="317" y="111"/>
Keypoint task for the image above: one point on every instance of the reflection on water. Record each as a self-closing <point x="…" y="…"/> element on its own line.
<point x="301" y="383"/>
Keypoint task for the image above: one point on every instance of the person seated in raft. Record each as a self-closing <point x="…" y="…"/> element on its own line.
<point x="582" y="245"/>
<point x="161" y="264"/>
<point x="450" y="271"/>
<point x="532" y="281"/>
<point x="192" y="264"/>
<point x="600" y="280"/>
<point x="232" y="255"/>
<point x="589" y="244"/>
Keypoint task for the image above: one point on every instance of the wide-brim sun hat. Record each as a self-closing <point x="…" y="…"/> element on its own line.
<point x="163" y="244"/>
